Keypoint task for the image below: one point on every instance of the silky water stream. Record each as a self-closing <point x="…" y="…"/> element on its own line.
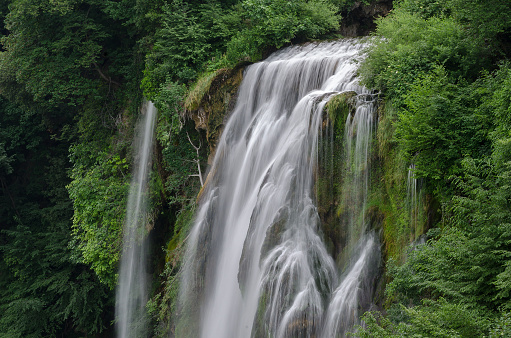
<point x="256" y="262"/>
<point x="132" y="292"/>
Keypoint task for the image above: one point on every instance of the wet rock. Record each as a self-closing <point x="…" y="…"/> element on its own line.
<point x="329" y="176"/>
<point x="211" y="108"/>
<point x="359" y="19"/>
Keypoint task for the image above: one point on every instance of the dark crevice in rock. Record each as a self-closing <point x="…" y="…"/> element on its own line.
<point x="359" y="19"/>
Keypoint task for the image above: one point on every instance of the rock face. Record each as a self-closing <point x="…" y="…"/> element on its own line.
<point x="359" y="19"/>
<point x="212" y="109"/>
<point x="328" y="176"/>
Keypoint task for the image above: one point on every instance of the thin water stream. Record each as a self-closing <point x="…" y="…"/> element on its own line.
<point x="132" y="292"/>
<point x="414" y="199"/>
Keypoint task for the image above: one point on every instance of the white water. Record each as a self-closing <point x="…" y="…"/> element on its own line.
<point x="131" y="296"/>
<point x="256" y="264"/>
<point x="353" y="293"/>
<point x="414" y="203"/>
<point x="362" y="248"/>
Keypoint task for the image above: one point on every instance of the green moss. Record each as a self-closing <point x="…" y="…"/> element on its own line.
<point x="211" y="98"/>
<point x="339" y="107"/>
<point x="389" y="190"/>
<point x="199" y="89"/>
<point x="163" y="306"/>
<point x="260" y="323"/>
<point x="221" y="100"/>
<point x="328" y="183"/>
<point x="388" y="208"/>
<point x="389" y="193"/>
<point x="181" y="229"/>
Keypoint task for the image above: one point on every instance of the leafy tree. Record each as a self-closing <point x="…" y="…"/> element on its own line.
<point x="412" y="47"/>
<point x="497" y="105"/>
<point x="141" y="16"/>
<point x="466" y="270"/>
<point x="439" y="126"/>
<point x="272" y="24"/>
<point x="424" y="8"/>
<point x="61" y="53"/>
<point x="99" y="195"/>
<point x="100" y="177"/>
<point x="3" y="12"/>
<point x="432" y="319"/>
<point x="50" y="50"/>
<point x="44" y="291"/>
<point x="181" y="44"/>
<point x="487" y="22"/>
<point x="436" y="66"/>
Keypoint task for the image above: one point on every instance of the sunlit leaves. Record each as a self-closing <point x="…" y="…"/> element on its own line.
<point x="411" y="47"/>
<point x="272" y="24"/>
<point x="99" y="198"/>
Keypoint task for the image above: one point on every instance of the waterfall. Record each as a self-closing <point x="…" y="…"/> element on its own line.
<point x="414" y="203"/>
<point x="256" y="263"/>
<point x="131" y="296"/>
<point x="362" y="247"/>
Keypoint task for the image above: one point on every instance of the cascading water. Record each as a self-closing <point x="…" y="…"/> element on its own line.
<point x="256" y="264"/>
<point x="131" y="296"/>
<point x="362" y="247"/>
<point x="414" y="203"/>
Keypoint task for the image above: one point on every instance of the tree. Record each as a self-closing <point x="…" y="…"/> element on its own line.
<point x="44" y="290"/>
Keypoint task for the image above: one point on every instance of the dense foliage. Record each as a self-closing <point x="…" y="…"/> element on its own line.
<point x="44" y="288"/>
<point x="443" y="68"/>
<point x="196" y="37"/>
<point x="73" y="74"/>
<point x="72" y="78"/>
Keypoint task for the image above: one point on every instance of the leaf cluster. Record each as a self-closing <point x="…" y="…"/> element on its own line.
<point x="458" y="285"/>
<point x="411" y="47"/>
<point x="440" y="125"/>
<point x="193" y="38"/>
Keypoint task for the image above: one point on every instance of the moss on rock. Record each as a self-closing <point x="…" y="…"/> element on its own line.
<point x="388" y="209"/>
<point x="328" y="174"/>
<point x="211" y="100"/>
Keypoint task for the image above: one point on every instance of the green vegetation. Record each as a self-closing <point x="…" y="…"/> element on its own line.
<point x="444" y="72"/>
<point x="73" y="74"/>
<point x="329" y="181"/>
<point x="271" y="24"/>
<point x="197" y="38"/>
<point x="45" y="289"/>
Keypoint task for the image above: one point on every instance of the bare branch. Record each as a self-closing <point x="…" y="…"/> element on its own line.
<point x="197" y="149"/>
<point x="197" y="160"/>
